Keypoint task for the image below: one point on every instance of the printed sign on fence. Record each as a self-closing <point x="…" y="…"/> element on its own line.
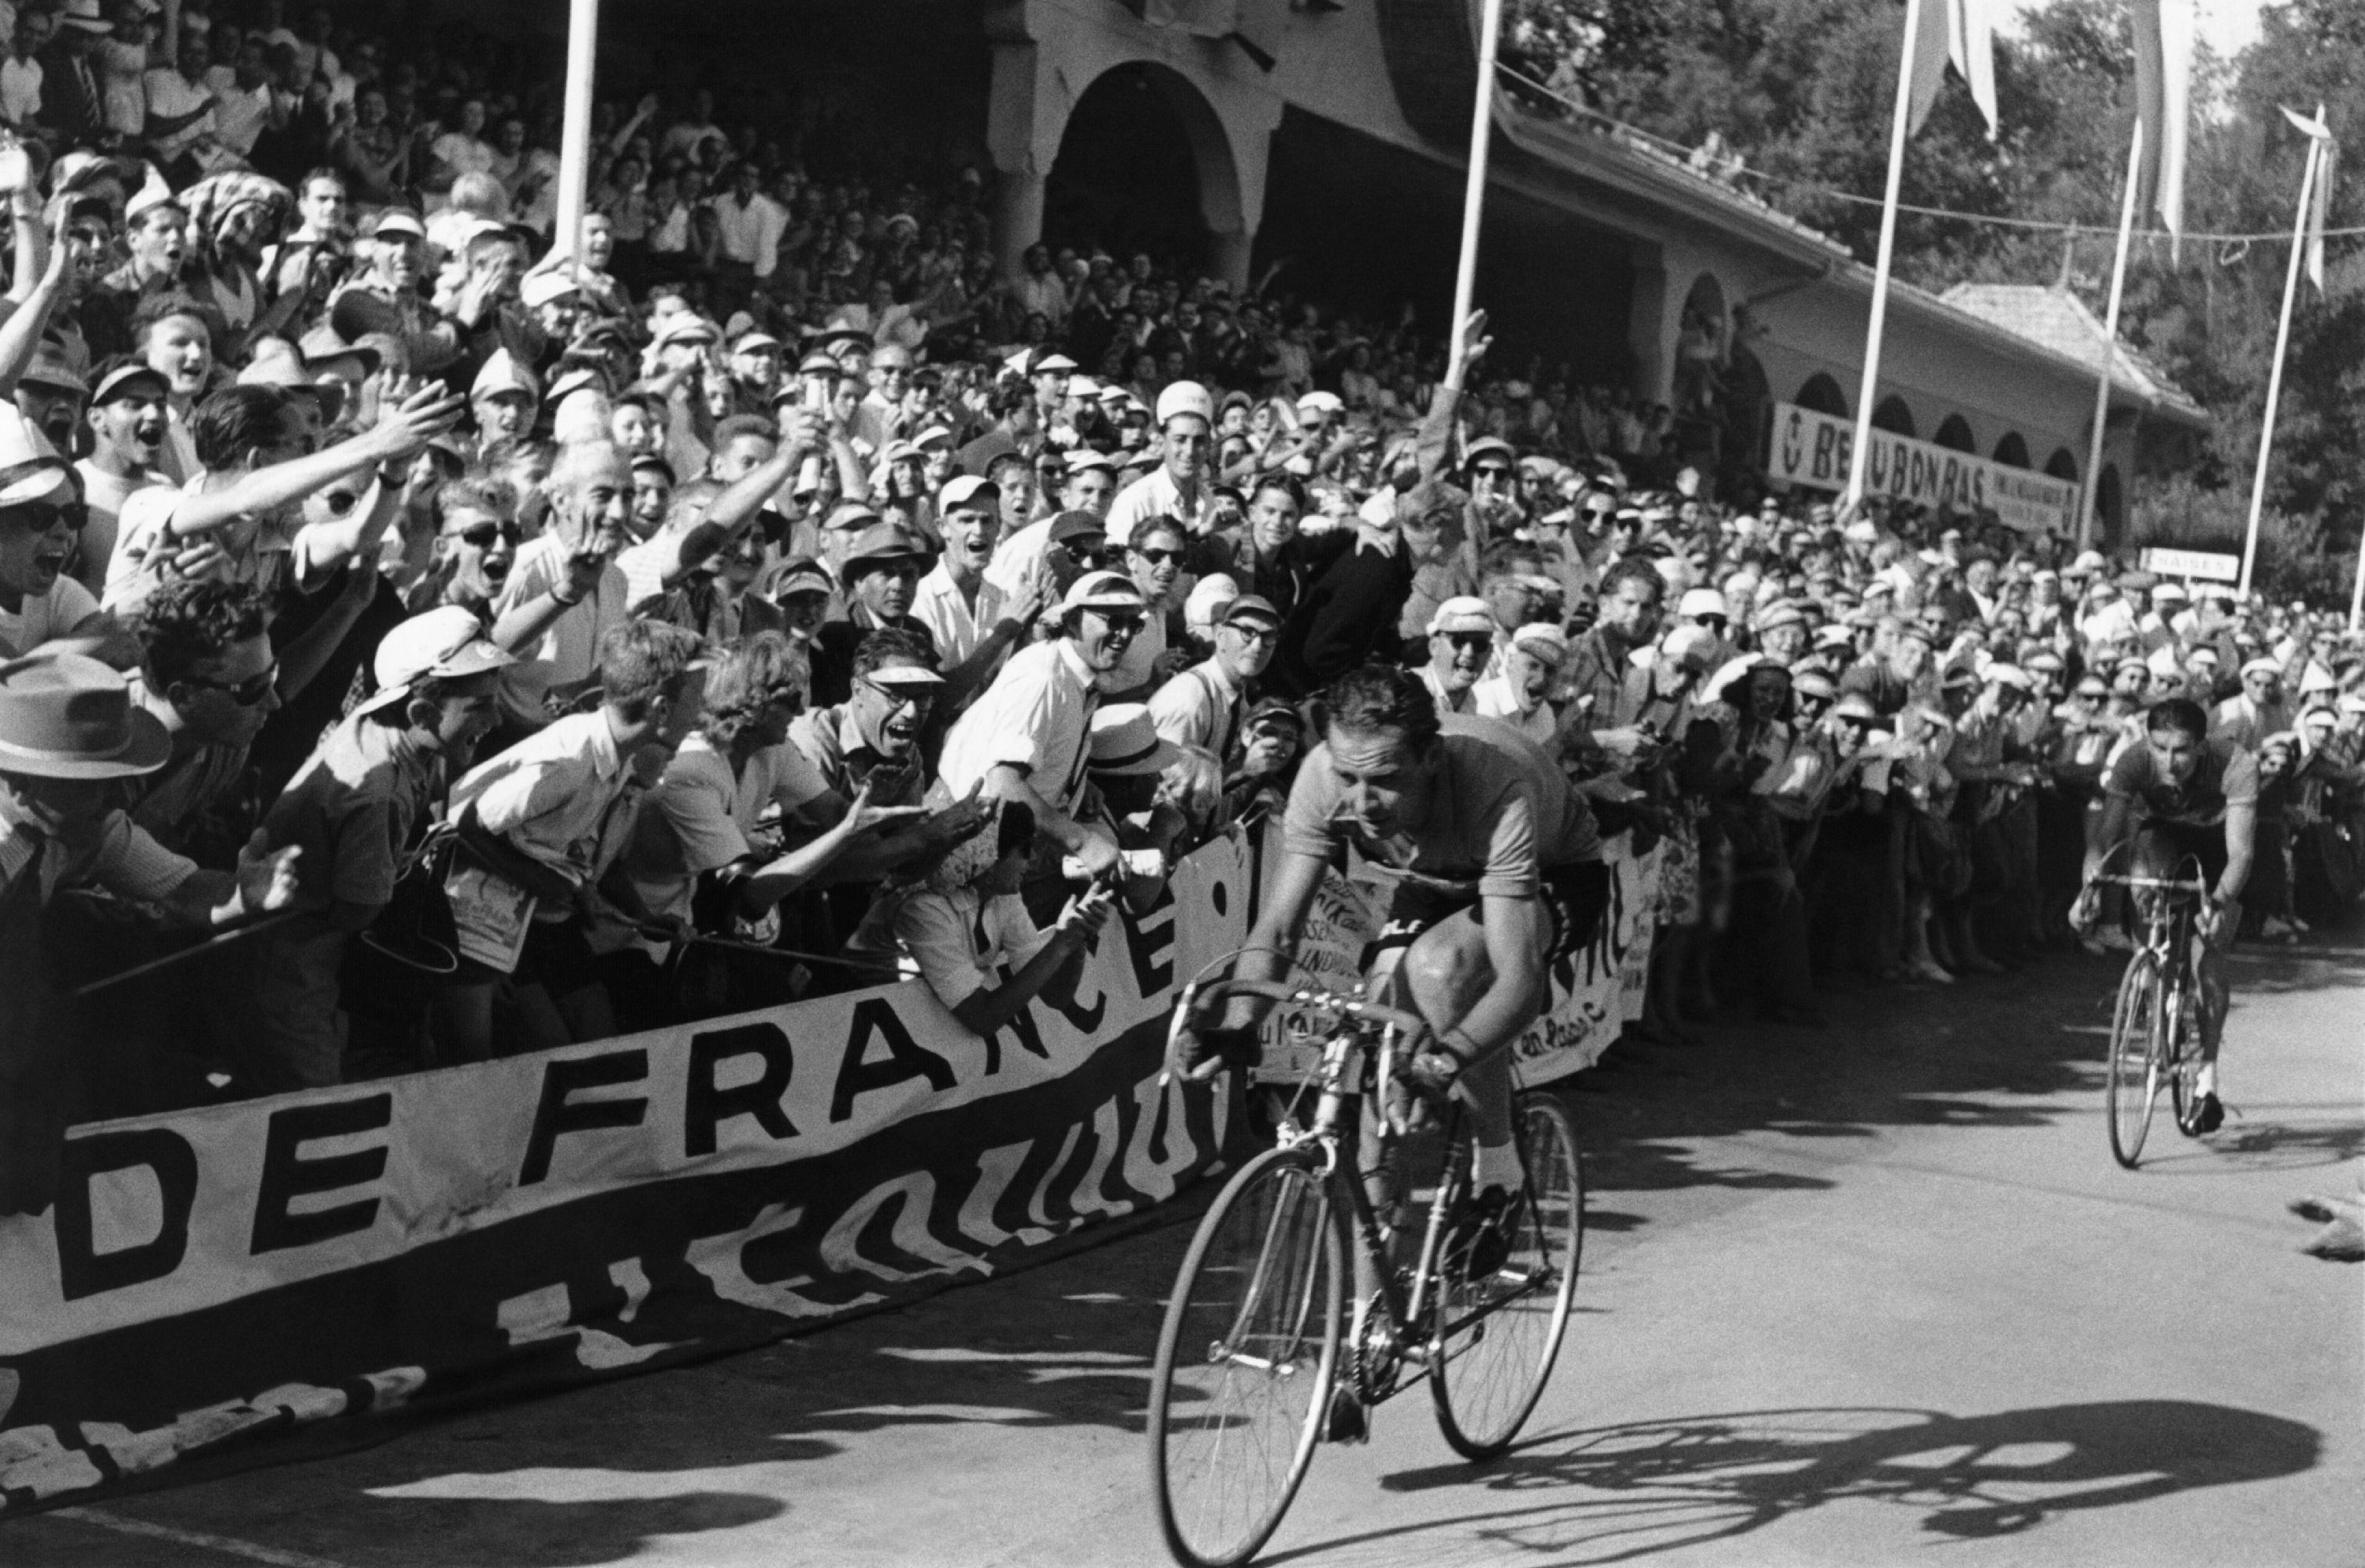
<point x="223" y="1275"/>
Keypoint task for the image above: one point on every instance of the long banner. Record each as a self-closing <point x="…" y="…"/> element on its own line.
<point x="1813" y="449"/>
<point x="212" y="1280"/>
<point x="214" y="1277"/>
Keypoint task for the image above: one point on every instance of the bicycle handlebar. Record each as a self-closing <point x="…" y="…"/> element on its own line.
<point x="1196" y="999"/>
<point x="2169" y="883"/>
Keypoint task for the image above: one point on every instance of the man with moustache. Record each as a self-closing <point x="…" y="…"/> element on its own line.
<point x="128" y="419"/>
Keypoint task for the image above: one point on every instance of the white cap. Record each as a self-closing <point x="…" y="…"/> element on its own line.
<point x="1207" y="599"/>
<point x="1463" y="613"/>
<point x="446" y="643"/>
<point x="501" y="374"/>
<point x="1700" y="601"/>
<point x="1185" y="397"/>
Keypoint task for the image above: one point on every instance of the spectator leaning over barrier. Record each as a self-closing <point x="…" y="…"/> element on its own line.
<point x="1027" y="738"/>
<point x="69" y="732"/>
<point x="538" y="826"/>
<point x="209" y="675"/>
<point x="972" y="940"/>
<point x="357" y="810"/>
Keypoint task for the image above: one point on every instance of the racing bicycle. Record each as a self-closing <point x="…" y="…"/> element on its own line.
<point x="1270" y="1345"/>
<point x="2156" y="1025"/>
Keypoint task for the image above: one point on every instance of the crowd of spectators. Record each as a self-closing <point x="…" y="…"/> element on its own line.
<point x="419" y="642"/>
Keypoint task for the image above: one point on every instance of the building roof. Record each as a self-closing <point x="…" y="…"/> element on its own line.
<point x="2053" y="317"/>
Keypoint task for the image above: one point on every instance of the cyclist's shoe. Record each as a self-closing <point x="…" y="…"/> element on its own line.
<point x="1482" y="1236"/>
<point x="1349" y="1422"/>
<point x="2208" y="1115"/>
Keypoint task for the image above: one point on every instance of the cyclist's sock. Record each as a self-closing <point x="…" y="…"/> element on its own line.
<point x="2205" y="1080"/>
<point x="1496" y="1166"/>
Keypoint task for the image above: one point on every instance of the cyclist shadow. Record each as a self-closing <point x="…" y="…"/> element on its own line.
<point x="1615" y="1494"/>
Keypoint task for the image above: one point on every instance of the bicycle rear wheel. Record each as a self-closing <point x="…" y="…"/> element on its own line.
<point x="2137" y="1036"/>
<point x="1502" y="1333"/>
<point x="1246" y="1360"/>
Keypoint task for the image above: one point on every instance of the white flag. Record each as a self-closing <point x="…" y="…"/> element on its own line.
<point x="1960" y="33"/>
<point x="2319" y="207"/>
<point x="2163" y="31"/>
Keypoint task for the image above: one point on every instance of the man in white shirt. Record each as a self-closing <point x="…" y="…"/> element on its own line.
<point x="1516" y="693"/>
<point x="243" y="100"/>
<point x="1202" y="706"/>
<point x="750" y="224"/>
<point x="1028" y="737"/>
<point x="566" y="591"/>
<point x="127" y="420"/>
<point x="1177" y="486"/>
<point x="20" y="73"/>
<point x="974" y="622"/>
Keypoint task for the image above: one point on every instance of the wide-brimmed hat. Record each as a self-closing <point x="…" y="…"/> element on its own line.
<point x="1126" y="744"/>
<point x="882" y="542"/>
<point x="69" y="716"/>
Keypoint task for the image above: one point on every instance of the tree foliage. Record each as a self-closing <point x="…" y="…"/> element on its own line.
<point x="1802" y="89"/>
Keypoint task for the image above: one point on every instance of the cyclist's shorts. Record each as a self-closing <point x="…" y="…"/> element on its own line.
<point x="2170" y="849"/>
<point x="1573" y="899"/>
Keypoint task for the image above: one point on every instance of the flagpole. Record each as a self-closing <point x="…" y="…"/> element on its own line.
<point x="2275" y="375"/>
<point x="1860" y="451"/>
<point x="574" y="134"/>
<point x="2110" y="341"/>
<point x="2357" y="597"/>
<point x="1473" y="194"/>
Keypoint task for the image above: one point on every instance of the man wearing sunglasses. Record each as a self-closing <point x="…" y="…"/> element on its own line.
<point x="42" y="516"/>
<point x="1153" y="559"/>
<point x="1202" y="706"/>
<point x="1028" y="738"/>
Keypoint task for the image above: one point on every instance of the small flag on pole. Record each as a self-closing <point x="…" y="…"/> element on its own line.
<point x="2320" y="208"/>
<point x="1960" y="33"/>
<point x="2163" y="32"/>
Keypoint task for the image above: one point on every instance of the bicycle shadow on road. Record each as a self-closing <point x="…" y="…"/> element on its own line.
<point x="1618" y="1493"/>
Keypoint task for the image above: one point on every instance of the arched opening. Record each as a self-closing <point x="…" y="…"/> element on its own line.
<point x="1748" y="421"/>
<point x="2061" y="465"/>
<point x="2012" y="452"/>
<point x="2110" y="503"/>
<point x="1891" y="414"/>
<point x="1143" y="166"/>
<point x="1955" y="435"/>
<point x="1823" y="396"/>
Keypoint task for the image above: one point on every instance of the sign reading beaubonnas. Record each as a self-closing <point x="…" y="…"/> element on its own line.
<point x="1812" y="448"/>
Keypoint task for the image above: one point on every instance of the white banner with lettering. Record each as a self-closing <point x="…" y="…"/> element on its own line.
<point x="1812" y="448"/>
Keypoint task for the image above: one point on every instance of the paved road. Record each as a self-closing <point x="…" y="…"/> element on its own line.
<point x="1850" y="1295"/>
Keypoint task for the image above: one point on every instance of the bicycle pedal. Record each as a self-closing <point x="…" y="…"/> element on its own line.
<point x="1349" y="1422"/>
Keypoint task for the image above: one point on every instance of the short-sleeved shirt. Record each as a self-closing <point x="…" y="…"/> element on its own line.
<point x="831" y="742"/>
<point x="122" y="858"/>
<point x="1036" y="716"/>
<point x="2224" y="776"/>
<point x="144" y="541"/>
<point x="1502" y="815"/>
<point x="702" y="817"/>
<point x="551" y="795"/>
<point x="965" y="942"/>
<point x="56" y="613"/>
<point x="351" y="808"/>
<point x="568" y="649"/>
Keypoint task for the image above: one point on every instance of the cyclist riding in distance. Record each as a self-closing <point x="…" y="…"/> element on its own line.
<point x="2184" y="795"/>
<point x="1498" y="870"/>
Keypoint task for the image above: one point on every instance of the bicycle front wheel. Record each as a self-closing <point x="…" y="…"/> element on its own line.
<point x="1246" y="1360"/>
<point x="2138" y="1027"/>
<point x="1500" y="1334"/>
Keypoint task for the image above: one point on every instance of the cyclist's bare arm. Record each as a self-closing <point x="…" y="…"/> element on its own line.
<point x="1273" y="941"/>
<point x="2241" y="835"/>
<point x="2116" y="809"/>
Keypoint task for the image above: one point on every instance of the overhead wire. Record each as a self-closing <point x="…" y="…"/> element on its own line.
<point x="1677" y="153"/>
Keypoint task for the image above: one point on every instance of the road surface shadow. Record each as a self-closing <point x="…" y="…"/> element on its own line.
<point x="1618" y="1493"/>
<point x="2014" y="1051"/>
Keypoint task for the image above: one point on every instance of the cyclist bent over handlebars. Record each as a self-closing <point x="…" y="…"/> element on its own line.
<point x="2185" y="796"/>
<point x="1498" y="872"/>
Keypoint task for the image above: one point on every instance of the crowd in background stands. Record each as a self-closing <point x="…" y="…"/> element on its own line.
<point x="472" y="648"/>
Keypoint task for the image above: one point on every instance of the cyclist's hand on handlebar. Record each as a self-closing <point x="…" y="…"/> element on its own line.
<point x="1204" y="1051"/>
<point x="2209" y="918"/>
